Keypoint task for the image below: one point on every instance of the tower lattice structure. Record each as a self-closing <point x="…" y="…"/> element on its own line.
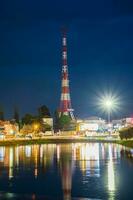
<point x="65" y="101"/>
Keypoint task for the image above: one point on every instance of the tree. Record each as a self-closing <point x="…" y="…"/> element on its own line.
<point x="126" y="133"/>
<point x="28" y="119"/>
<point x="44" y="112"/>
<point x="47" y="127"/>
<point x="16" y="115"/>
<point x="56" y="121"/>
<point x="1" y="115"/>
<point x="64" y="122"/>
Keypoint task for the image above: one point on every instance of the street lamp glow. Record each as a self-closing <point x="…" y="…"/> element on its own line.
<point x="108" y="103"/>
<point x="36" y="126"/>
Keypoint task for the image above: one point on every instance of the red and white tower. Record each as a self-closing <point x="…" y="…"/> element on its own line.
<point x="65" y="102"/>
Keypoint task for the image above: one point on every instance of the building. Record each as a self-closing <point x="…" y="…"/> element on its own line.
<point x="91" y="124"/>
<point x="121" y="123"/>
<point x="7" y="128"/>
<point x="48" y="121"/>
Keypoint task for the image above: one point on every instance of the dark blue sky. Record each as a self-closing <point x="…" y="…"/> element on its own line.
<point x="100" y="53"/>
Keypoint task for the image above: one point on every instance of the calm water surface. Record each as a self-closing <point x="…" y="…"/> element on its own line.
<point x="78" y="171"/>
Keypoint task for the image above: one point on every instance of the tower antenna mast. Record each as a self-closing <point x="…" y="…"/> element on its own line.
<point x="65" y="101"/>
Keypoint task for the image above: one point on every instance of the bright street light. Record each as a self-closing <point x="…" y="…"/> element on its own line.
<point x="109" y="103"/>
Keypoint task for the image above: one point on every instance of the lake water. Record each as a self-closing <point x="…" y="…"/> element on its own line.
<point x="79" y="171"/>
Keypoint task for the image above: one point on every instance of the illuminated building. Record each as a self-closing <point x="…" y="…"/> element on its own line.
<point x="8" y="128"/>
<point x="92" y="125"/>
<point x="48" y="121"/>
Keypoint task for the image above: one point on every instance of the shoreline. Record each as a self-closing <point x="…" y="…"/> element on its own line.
<point x="61" y="140"/>
<point x="126" y="143"/>
<point x="52" y="140"/>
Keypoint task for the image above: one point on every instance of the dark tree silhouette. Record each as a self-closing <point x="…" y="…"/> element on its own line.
<point x="27" y="119"/>
<point x="43" y="112"/>
<point x="16" y="115"/>
<point x="56" y="121"/>
<point x="1" y="113"/>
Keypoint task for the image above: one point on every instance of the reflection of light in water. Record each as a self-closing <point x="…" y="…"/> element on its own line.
<point x="28" y="151"/>
<point x="10" y="162"/>
<point x="66" y="170"/>
<point x="76" y="151"/>
<point x="67" y="179"/>
<point x="41" y="154"/>
<point x="2" y="153"/>
<point x="115" y="152"/>
<point x="74" y="154"/>
<point x="36" y="160"/>
<point x="17" y="156"/>
<point x="58" y="152"/>
<point x="89" y="154"/>
<point x="103" y="151"/>
<point x="10" y="195"/>
<point x="131" y="150"/>
<point x="111" y="178"/>
<point x="35" y="172"/>
<point x="33" y="197"/>
<point x="41" y="151"/>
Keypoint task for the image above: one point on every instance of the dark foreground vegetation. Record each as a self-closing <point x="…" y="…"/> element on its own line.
<point x="127" y="143"/>
<point x="126" y="133"/>
<point x="126" y="136"/>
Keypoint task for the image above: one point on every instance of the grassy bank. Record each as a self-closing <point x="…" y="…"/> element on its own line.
<point x="127" y="143"/>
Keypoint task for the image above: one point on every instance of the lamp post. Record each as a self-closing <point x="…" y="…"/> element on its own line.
<point x="108" y="105"/>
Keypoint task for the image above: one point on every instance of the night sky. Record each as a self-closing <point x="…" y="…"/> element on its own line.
<point x="100" y="53"/>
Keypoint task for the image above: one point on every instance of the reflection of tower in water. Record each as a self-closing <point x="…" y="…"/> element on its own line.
<point x="66" y="170"/>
